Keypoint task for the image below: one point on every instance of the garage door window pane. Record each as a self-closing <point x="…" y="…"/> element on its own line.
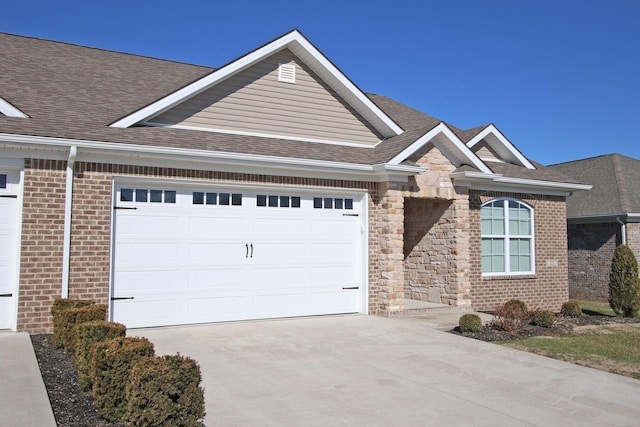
<point x="348" y="203"/>
<point x="328" y="203"/>
<point x="156" y="196"/>
<point x="261" y="200"/>
<point x="224" y="199"/>
<point x="295" y="202"/>
<point x="212" y="198"/>
<point x="284" y="201"/>
<point x="169" y="196"/>
<point x="3" y="180"/>
<point x="317" y="202"/>
<point x="273" y="201"/>
<point x="236" y="199"/>
<point x="198" y="198"/>
<point x="142" y="195"/>
<point x="338" y="203"/>
<point x="126" y="195"/>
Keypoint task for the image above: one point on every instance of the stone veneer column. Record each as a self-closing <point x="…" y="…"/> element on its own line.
<point x="459" y="250"/>
<point x="391" y="256"/>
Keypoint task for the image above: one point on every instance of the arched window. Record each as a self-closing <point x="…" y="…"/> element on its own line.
<point x="507" y="237"/>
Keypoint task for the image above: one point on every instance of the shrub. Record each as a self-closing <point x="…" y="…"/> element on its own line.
<point x="60" y="305"/>
<point x="72" y="317"/>
<point x="112" y="361"/>
<point x="509" y="316"/>
<point x="90" y="333"/>
<point x="571" y="309"/>
<point x="470" y="323"/>
<point x="165" y="392"/>
<point x="624" y="284"/>
<point x="544" y="318"/>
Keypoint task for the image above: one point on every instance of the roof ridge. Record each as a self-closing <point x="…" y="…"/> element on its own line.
<point x="621" y="183"/>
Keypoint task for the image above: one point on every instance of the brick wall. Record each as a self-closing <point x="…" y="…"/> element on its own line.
<point x="42" y="243"/>
<point x="548" y="287"/>
<point x="43" y="230"/>
<point x="591" y="248"/>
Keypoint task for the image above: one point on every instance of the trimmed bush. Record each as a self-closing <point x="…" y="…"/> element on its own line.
<point x="90" y="333"/>
<point x="544" y="318"/>
<point x="470" y="323"/>
<point x="72" y="317"/>
<point x="624" y="284"/>
<point x="59" y="322"/>
<point x="112" y="361"/>
<point x="571" y="309"/>
<point x="165" y="391"/>
<point x="509" y="316"/>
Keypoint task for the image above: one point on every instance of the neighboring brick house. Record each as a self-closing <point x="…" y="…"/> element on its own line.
<point x="271" y="187"/>
<point x="600" y="219"/>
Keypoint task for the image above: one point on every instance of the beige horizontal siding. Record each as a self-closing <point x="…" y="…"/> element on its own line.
<point x="255" y="101"/>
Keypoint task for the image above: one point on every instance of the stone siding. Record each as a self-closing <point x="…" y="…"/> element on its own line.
<point x="548" y="287"/>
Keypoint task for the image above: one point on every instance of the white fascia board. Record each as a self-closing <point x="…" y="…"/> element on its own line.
<point x="11" y="111"/>
<point x="229" y="162"/>
<point x="517" y="155"/>
<point x="497" y="182"/>
<point x="299" y="45"/>
<point x="464" y="155"/>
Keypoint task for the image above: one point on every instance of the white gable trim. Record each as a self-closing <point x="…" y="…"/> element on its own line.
<point x="501" y="145"/>
<point x="11" y="111"/>
<point x="498" y="182"/>
<point x="449" y="144"/>
<point x="307" y="53"/>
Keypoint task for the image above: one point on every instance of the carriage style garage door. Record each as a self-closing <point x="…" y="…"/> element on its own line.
<point x="195" y="255"/>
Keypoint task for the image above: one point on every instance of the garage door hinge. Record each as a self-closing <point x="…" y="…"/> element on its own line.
<point x="120" y="298"/>
<point x="6" y="295"/>
<point x="350" y="214"/>
<point x="9" y="196"/>
<point x="125" y="207"/>
<point x="350" y="287"/>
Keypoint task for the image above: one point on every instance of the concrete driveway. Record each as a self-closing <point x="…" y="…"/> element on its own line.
<point x="374" y="371"/>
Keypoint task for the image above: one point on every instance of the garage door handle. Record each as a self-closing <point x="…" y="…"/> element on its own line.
<point x="120" y="298"/>
<point x="6" y="295"/>
<point x="251" y="246"/>
<point x="350" y="287"/>
<point x="247" y="246"/>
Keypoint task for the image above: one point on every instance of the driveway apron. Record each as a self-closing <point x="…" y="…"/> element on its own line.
<point x="360" y="370"/>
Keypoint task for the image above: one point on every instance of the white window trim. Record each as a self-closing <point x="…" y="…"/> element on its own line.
<point x="507" y="237"/>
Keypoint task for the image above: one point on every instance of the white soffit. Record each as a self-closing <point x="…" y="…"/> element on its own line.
<point x="11" y="111"/>
<point x="302" y="48"/>
<point x="449" y="144"/>
<point x="501" y="145"/>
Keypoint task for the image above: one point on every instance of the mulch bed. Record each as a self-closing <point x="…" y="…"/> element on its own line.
<point x="72" y="406"/>
<point x="564" y="326"/>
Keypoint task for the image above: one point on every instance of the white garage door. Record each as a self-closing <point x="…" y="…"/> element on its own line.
<point x="8" y="246"/>
<point x="194" y="255"/>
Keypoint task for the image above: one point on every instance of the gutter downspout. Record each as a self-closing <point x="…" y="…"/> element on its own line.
<point x="66" y="253"/>
<point x="623" y="230"/>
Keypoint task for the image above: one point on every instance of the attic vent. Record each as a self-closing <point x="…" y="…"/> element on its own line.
<point x="287" y="73"/>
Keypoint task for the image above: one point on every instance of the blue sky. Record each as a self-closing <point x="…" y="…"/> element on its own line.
<point x="560" y="78"/>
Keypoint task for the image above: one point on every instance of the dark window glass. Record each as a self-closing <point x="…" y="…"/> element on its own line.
<point x="198" y="198"/>
<point x="273" y="201"/>
<point x="142" y="195"/>
<point x="328" y="203"/>
<point x="338" y="203"/>
<point x="348" y="203"/>
<point x="156" y="196"/>
<point x="284" y="201"/>
<point x="236" y="199"/>
<point x="169" y="196"/>
<point x="224" y="199"/>
<point x="212" y="198"/>
<point x="317" y="202"/>
<point x="126" y="195"/>
<point x="295" y="202"/>
<point x="3" y="180"/>
<point x="261" y="200"/>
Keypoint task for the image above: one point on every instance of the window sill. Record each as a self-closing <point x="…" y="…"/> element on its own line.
<point x="526" y="276"/>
